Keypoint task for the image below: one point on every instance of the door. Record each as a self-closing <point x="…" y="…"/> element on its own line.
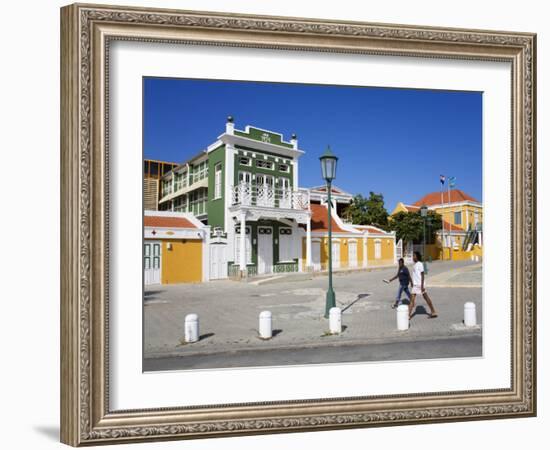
<point x="352" y="248"/>
<point x="265" y="250"/>
<point x="316" y="255"/>
<point x="285" y="193"/>
<point x="218" y="261"/>
<point x="244" y="194"/>
<point x="336" y="254"/>
<point x="265" y="192"/>
<point x="151" y="262"/>
<point x="377" y="249"/>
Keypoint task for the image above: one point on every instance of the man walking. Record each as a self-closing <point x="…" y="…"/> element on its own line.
<point x="404" y="279"/>
<point x="418" y="286"/>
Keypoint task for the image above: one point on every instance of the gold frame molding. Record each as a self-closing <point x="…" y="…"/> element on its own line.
<point x="86" y="31"/>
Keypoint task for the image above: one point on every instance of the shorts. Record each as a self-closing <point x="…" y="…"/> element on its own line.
<point x="417" y="290"/>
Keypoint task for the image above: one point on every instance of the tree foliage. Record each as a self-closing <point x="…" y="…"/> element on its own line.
<point x="367" y="211"/>
<point x="409" y="226"/>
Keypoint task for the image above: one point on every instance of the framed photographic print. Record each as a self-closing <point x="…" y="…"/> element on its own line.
<point x="278" y="224"/>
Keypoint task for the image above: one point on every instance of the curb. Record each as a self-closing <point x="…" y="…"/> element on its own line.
<point x="403" y="337"/>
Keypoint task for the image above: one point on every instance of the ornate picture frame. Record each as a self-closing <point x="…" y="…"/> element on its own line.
<point x="86" y="33"/>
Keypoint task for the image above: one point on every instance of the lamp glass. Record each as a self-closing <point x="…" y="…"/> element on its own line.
<point x="328" y="165"/>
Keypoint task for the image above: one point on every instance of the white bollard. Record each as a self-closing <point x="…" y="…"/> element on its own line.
<point x="265" y="325"/>
<point x="191" y="328"/>
<point x="335" y="320"/>
<point x="402" y="317"/>
<point x="470" y="314"/>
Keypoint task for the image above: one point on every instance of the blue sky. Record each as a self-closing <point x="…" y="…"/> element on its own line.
<point x="391" y="141"/>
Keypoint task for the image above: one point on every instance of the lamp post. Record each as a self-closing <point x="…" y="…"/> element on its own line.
<point x="328" y="168"/>
<point x="424" y="214"/>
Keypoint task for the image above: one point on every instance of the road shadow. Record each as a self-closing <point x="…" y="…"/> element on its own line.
<point x="276" y="332"/>
<point x="420" y="311"/>
<point x="204" y="336"/>
<point x="150" y="295"/>
<point x="359" y="297"/>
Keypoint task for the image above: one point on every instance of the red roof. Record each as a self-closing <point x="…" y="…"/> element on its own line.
<point x="319" y="219"/>
<point x="453" y="227"/>
<point x="167" y="222"/>
<point x="373" y="230"/>
<point x="434" y="198"/>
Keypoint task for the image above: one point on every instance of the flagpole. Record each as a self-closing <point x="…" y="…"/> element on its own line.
<point x="441" y="182"/>
<point x="450" y="217"/>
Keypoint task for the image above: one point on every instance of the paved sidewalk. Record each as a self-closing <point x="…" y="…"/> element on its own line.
<point x="229" y="310"/>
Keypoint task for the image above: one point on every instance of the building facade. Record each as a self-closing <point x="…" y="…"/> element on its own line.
<point x="152" y="172"/>
<point x="462" y="222"/>
<point x="244" y="188"/>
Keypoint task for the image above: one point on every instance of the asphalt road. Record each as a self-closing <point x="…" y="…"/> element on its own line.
<point x="451" y="347"/>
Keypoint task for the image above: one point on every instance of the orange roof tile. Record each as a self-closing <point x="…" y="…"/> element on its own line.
<point x="167" y="222"/>
<point x="446" y="226"/>
<point x="434" y="198"/>
<point x="319" y="219"/>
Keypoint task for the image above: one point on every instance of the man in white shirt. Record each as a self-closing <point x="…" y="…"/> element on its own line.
<point x="418" y="286"/>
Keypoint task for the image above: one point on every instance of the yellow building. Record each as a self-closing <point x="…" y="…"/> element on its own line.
<point x="353" y="246"/>
<point x="462" y="216"/>
<point x="175" y="248"/>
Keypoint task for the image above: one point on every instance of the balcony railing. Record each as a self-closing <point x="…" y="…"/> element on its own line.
<point x="249" y="194"/>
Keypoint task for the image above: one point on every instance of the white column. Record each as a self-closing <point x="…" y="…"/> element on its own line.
<point x="206" y="254"/>
<point x="308" y="244"/>
<point x="229" y="168"/>
<point x="394" y="249"/>
<point x="242" y="244"/>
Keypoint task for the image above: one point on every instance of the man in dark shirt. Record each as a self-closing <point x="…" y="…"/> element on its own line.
<point x="404" y="280"/>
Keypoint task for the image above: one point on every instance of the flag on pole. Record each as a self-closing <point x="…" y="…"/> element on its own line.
<point x="442" y="179"/>
<point x="452" y="182"/>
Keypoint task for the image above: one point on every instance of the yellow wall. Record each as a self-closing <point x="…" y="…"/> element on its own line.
<point x="360" y="252"/>
<point x="467" y="215"/>
<point x="344" y="252"/>
<point x="433" y="251"/>
<point x="183" y="263"/>
<point x="387" y="251"/>
<point x="459" y="255"/>
<point x="400" y="207"/>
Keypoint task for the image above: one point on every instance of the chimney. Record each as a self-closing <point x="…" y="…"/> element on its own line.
<point x="229" y="125"/>
<point x="294" y="141"/>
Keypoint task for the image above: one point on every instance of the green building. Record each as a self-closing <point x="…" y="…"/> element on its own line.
<point x="245" y="187"/>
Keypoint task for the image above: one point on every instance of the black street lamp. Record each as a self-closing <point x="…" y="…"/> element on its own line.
<point x="328" y="168"/>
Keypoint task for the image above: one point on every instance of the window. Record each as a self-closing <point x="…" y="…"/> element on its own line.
<point x="244" y="161"/>
<point x="218" y="181"/>
<point x="285" y="244"/>
<point x="197" y="201"/>
<point x="262" y="164"/>
<point x="166" y="187"/>
<point x="179" y="179"/>
<point x="284" y="168"/>
<point x="458" y="218"/>
<point x="200" y="171"/>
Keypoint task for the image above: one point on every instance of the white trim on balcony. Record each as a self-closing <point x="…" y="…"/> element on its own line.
<point x="184" y="190"/>
<point x="259" y="145"/>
